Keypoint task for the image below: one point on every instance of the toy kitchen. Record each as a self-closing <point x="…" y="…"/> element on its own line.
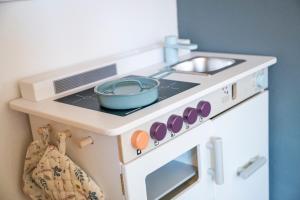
<point x="203" y="133"/>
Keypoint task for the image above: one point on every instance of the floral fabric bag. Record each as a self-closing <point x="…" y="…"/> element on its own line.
<point x="57" y="177"/>
<point x="35" y="152"/>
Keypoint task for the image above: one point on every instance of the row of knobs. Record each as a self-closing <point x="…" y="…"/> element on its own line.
<point x="158" y="130"/>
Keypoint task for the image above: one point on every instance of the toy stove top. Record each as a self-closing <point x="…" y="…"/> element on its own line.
<point x="88" y="99"/>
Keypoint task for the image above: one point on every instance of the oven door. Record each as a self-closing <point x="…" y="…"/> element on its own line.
<point x="177" y="169"/>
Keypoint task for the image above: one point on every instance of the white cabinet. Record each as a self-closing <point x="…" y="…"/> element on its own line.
<point x="244" y="133"/>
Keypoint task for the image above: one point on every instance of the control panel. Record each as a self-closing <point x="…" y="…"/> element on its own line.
<point x="170" y="125"/>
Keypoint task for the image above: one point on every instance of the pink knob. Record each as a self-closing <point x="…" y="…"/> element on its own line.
<point x="190" y="115"/>
<point x="175" y="123"/>
<point x="203" y="108"/>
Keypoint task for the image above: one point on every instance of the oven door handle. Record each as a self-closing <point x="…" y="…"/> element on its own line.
<point x="217" y="172"/>
<point x="251" y="167"/>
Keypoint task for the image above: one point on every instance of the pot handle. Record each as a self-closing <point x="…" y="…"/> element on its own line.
<point x="124" y="81"/>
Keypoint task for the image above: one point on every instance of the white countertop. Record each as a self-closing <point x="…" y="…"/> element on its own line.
<point x="112" y="125"/>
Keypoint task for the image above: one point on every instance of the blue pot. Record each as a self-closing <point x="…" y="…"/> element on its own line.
<point x="127" y="93"/>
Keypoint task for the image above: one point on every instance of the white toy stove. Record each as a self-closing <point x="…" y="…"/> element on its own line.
<point x="167" y="150"/>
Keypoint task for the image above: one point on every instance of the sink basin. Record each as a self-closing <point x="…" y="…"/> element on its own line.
<point x="206" y="65"/>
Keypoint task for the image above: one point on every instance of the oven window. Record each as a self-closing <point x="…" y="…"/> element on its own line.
<point x="174" y="177"/>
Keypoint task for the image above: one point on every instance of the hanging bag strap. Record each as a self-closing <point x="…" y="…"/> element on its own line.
<point x="61" y="138"/>
<point x="62" y="142"/>
<point x="44" y="133"/>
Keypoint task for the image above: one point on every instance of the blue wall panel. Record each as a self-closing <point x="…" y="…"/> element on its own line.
<point x="264" y="27"/>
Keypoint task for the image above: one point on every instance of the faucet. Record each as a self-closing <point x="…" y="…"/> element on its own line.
<point x="171" y="47"/>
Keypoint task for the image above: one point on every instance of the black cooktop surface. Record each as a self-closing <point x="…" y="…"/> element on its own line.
<point x="88" y="99"/>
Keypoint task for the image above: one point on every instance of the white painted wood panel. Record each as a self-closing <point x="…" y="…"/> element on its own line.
<point x="244" y="131"/>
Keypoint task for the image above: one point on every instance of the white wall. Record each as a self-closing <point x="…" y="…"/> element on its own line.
<point x="41" y="35"/>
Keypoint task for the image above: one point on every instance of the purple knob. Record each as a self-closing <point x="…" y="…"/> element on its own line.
<point x="175" y="123"/>
<point x="203" y="108"/>
<point x="190" y="115"/>
<point x="158" y="131"/>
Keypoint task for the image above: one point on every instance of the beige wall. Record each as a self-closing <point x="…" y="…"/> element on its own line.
<point x="41" y="35"/>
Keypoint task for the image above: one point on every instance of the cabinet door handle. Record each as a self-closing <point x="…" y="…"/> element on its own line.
<point x="215" y="145"/>
<point x="252" y="166"/>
